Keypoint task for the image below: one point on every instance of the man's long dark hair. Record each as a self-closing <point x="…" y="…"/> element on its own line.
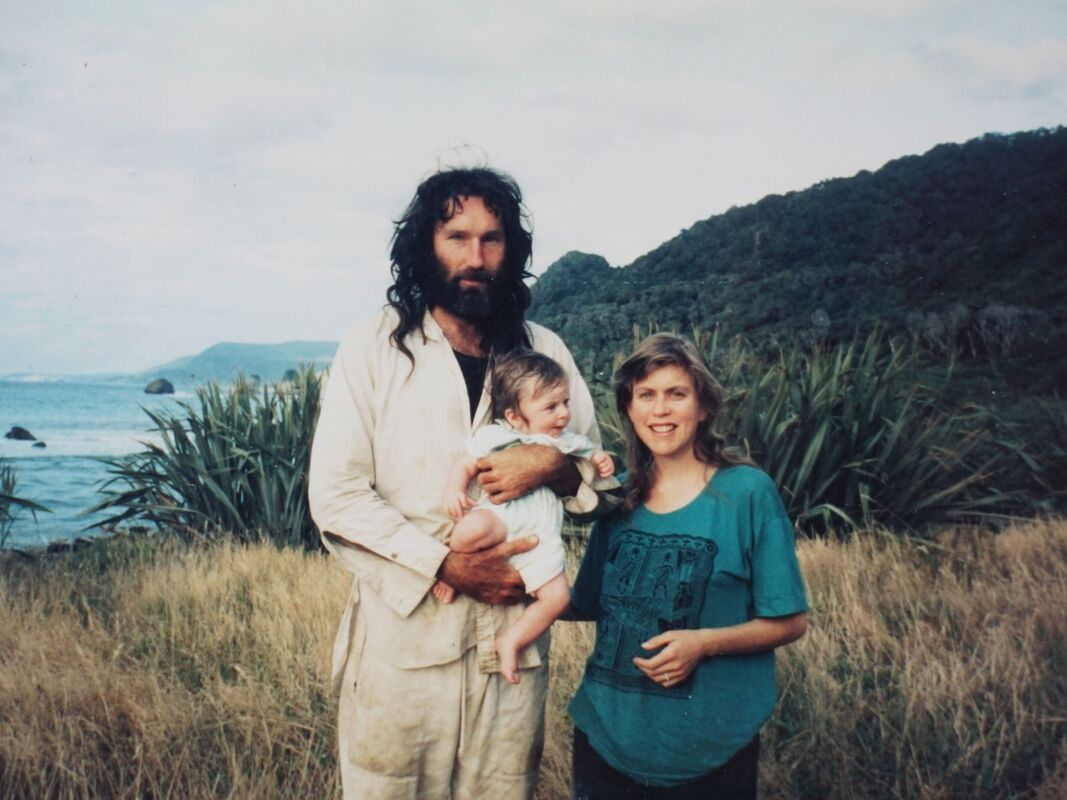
<point x="414" y="263"/>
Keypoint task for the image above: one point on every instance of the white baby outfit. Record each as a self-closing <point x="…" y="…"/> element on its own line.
<point x="537" y="513"/>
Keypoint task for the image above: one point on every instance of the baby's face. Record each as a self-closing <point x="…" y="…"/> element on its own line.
<point x="547" y="411"/>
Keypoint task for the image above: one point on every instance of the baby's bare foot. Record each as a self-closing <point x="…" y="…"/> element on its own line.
<point x="508" y="654"/>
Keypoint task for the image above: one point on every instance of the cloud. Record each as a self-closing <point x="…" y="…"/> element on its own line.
<point x="883" y="10"/>
<point x="994" y="68"/>
<point x="180" y="174"/>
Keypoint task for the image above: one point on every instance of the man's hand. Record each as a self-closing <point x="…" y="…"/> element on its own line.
<point x="486" y="575"/>
<point x="511" y="473"/>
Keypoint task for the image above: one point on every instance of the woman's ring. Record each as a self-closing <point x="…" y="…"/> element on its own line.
<point x="666" y="677"/>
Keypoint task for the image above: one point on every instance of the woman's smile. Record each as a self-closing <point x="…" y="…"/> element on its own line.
<point x="666" y="412"/>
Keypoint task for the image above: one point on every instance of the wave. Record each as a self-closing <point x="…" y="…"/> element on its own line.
<point x="32" y="378"/>
<point x="81" y="443"/>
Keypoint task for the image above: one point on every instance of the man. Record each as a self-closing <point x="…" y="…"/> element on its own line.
<point x="424" y="711"/>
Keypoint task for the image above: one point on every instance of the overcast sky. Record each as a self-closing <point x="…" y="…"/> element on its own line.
<point x="176" y="174"/>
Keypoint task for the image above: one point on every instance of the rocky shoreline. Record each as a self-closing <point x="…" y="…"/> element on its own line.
<point x="64" y="547"/>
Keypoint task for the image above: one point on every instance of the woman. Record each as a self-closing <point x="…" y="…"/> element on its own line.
<point x="693" y="584"/>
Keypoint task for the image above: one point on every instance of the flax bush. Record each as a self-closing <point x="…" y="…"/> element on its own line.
<point x="855" y="435"/>
<point x="235" y="460"/>
<point x="1038" y="445"/>
<point x="10" y="503"/>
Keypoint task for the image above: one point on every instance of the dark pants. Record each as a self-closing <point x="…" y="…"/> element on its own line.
<point x="595" y="779"/>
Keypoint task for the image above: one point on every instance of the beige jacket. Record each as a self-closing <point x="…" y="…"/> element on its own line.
<point x="387" y="435"/>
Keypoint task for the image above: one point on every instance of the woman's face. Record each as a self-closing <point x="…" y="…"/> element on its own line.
<point x="665" y="412"/>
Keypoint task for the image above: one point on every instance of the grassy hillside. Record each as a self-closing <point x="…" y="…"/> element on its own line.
<point x="964" y="246"/>
<point x="141" y="668"/>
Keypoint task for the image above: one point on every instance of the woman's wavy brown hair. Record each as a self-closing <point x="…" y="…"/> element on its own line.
<point x="669" y="350"/>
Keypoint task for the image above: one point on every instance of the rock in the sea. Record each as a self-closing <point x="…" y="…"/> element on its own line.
<point x="40" y="444"/>
<point x="159" y="386"/>
<point x="20" y="434"/>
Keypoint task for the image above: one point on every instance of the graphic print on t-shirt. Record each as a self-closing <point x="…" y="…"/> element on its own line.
<point x="652" y="583"/>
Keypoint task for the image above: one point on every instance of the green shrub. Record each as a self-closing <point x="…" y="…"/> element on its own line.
<point x="10" y="503"/>
<point x="1036" y="444"/>
<point x="852" y="436"/>
<point x="233" y="461"/>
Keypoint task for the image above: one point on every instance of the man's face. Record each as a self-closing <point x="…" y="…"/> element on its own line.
<point x="469" y="250"/>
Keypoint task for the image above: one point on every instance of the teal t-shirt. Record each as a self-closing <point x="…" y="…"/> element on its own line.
<point x="727" y="557"/>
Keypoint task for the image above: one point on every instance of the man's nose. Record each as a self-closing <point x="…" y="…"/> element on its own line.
<point x="474" y="256"/>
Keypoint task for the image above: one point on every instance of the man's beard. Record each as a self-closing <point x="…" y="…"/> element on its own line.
<point x="475" y="303"/>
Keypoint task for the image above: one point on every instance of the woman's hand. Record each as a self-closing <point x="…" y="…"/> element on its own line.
<point x="682" y="651"/>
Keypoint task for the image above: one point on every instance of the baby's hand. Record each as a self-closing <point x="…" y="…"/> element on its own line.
<point x="443" y="592"/>
<point x="459" y="505"/>
<point x="605" y="467"/>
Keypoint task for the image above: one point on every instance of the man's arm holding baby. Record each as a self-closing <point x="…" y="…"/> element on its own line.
<point x="587" y="485"/>
<point x="515" y="471"/>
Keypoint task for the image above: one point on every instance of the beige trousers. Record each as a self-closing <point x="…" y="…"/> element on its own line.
<point x="446" y="732"/>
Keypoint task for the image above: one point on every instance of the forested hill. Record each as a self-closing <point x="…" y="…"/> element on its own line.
<point x="965" y="245"/>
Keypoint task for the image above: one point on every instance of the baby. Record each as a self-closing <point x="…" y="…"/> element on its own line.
<point x="530" y="397"/>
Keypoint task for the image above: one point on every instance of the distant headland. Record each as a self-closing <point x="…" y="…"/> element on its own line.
<point x="221" y="362"/>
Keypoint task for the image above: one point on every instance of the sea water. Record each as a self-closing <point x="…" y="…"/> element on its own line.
<point x="80" y="424"/>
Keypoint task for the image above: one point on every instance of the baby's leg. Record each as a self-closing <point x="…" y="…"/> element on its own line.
<point x="479" y="529"/>
<point x="552" y="599"/>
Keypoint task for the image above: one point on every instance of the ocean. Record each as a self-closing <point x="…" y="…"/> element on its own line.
<point x="80" y="423"/>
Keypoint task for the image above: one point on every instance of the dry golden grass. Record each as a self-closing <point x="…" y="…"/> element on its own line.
<point x="188" y="673"/>
<point x="152" y="670"/>
<point x="929" y="671"/>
